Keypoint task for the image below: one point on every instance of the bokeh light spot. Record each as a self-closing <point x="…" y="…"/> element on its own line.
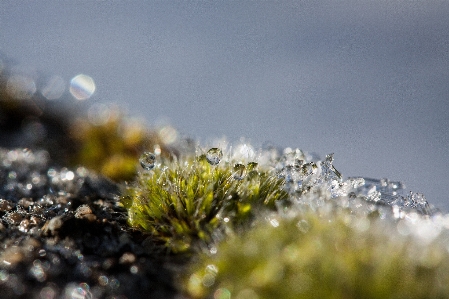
<point x="82" y="87"/>
<point x="53" y="88"/>
<point x="20" y="87"/>
<point x="99" y="114"/>
<point x="47" y="293"/>
<point x="222" y="293"/>
<point x="168" y="134"/>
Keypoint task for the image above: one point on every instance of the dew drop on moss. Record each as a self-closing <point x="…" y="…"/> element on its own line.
<point x="239" y="171"/>
<point x="214" y="156"/>
<point x="252" y="169"/>
<point x="147" y="160"/>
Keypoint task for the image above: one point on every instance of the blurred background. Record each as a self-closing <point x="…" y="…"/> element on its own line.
<point x="366" y="80"/>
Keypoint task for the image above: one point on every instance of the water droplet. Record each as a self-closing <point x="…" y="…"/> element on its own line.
<point x="214" y="156"/>
<point x="82" y="87"/>
<point x="147" y="160"/>
<point x="239" y="171"/>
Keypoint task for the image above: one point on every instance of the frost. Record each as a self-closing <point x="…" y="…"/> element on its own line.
<point x="391" y="193"/>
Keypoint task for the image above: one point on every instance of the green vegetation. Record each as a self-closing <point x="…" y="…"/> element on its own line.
<point x="289" y="228"/>
<point x="112" y="147"/>
<point x="186" y="203"/>
<point x="324" y="253"/>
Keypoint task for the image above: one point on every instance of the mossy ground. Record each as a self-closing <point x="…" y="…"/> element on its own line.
<point x="261" y="236"/>
<point x="189" y="202"/>
<point x="329" y="254"/>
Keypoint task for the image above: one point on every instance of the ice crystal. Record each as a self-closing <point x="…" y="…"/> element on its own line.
<point x="391" y="193"/>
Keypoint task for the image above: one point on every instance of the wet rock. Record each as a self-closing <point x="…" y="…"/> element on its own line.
<point x="64" y="235"/>
<point x="127" y="258"/>
<point x="5" y="205"/>
<point x="51" y="227"/>
<point x="85" y="212"/>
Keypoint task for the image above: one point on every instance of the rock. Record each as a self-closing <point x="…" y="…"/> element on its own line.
<point x="64" y="235"/>
<point x="50" y="227"/>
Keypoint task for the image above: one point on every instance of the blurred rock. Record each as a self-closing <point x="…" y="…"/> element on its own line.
<point x="64" y="235"/>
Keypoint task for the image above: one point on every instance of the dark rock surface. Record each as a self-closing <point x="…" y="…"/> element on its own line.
<point x="63" y="234"/>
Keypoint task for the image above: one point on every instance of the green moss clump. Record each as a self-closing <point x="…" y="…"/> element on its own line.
<point x="188" y="203"/>
<point x="112" y="147"/>
<point x="327" y="252"/>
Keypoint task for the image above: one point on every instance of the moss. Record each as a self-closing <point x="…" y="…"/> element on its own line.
<point x="188" y="203"/>
<point x="113" y="146"/>
<point x="324" y="253"/>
